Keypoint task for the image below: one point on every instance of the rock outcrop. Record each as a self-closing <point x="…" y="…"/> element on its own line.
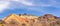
<point x="31" y="20"/>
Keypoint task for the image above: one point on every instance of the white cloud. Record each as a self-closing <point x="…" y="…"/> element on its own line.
<point x="14" y="0"/>
<point x="24" y="2"/>
<point x="27" y="3"/>
<point x="3" y="5"/>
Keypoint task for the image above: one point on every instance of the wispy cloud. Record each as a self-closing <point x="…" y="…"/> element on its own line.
<point x="3" y="5"/>
<point x="36" y="5"/>
<point x="23" y="2"/>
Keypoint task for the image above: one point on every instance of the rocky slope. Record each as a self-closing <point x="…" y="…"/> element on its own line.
<point x="30" y="20"/>
<point x="47" y="20"/>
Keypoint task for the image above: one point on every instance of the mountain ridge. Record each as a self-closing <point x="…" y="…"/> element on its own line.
<point x="29" y="20"/>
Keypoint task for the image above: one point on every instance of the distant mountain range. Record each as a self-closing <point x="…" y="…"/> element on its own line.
<point x="30" y="20"/>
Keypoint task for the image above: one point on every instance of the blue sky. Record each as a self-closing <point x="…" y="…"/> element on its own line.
<point x="34" y="7"/>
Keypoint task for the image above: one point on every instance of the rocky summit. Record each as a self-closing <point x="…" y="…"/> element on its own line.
<point x="30" y="20"/>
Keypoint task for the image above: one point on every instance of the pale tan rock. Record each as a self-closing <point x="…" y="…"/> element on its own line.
<point x="31" y="20"/>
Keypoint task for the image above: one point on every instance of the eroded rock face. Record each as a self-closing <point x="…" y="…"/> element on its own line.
<point x="48" y="20"/>
<point x="23" y="20"/>
<point x="3" y="23"/>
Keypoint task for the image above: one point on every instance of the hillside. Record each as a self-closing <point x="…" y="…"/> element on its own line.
<point x="31" y="20"/>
